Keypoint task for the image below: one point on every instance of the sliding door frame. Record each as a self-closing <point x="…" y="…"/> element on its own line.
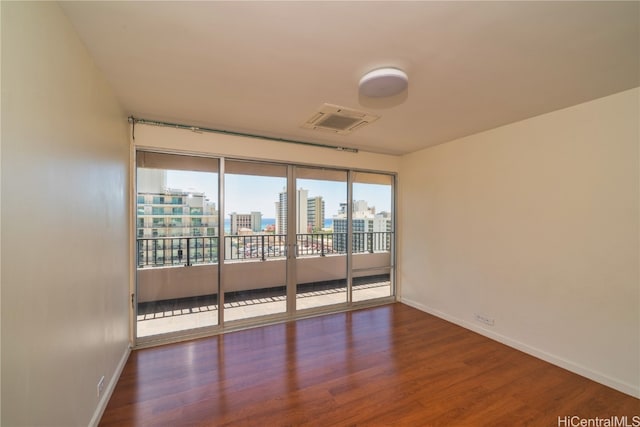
<point x="291" y="250"/>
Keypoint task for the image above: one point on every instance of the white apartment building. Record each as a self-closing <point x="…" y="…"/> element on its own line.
<point x="301" y="212"/>
<point x="175" y="213"/>
<point x="371" y="232"/>
<point x="166" y="212"/>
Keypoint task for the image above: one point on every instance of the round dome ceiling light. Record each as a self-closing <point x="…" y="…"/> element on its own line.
<point x="383" y="82"/>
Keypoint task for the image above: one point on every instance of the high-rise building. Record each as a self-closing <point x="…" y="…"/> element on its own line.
<point x="357" y="206"/>
<point x="301" y="212"/>
<point x="362" y="206"/>
<point x="252" y="221"/>
<point x="151" y="180"/>
<point x="175" y="213"/>
<point x="370" y="231"/>
<point x="281" y="214"/>
<point x="166" y="212"/>
<point x="315" y="214"/>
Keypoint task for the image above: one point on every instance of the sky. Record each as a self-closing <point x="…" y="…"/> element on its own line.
<point x="245" y="193"/>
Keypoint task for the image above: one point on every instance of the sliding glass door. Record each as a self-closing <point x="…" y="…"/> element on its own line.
<point x="255" y="240"/>
<point x="373" y="236"/>
<point x="227" y="243"/>
<point x="176" y="243"/>
<point x="321" y="255"/>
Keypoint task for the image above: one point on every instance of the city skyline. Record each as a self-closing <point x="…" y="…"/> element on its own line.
<point x="245" y="195"/>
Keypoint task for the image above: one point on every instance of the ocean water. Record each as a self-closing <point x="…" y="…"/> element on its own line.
<point x="328" y="222"/>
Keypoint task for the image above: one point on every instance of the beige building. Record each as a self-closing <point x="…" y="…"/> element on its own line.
<point x="243" y="222"/>
<point x="315" y="214"/>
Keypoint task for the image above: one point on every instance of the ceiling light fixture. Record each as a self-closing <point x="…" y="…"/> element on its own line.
<point x="383" y="82"/>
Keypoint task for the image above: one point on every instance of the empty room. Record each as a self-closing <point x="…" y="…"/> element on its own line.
<point x="264" y="213"/>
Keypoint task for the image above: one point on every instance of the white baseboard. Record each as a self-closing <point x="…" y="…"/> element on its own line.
<point x="102" y="404"/>
<point x="576" y="368"/>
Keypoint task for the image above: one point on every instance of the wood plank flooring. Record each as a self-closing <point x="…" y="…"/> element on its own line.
<point x="388" y="365"/>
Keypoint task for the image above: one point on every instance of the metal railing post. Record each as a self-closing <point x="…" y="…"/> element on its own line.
<point x="188" y="252"/>
<point x="155" y="252"/>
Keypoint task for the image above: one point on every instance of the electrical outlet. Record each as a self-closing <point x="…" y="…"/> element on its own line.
<point x="484" y="319"/>
<point x="100" y="386"/>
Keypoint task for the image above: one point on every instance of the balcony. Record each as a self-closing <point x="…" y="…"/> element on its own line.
<point x="180" y="314"/>
<point x="254" y="276"/>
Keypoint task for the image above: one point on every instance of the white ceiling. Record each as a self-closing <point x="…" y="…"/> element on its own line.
<point x="265" y="67"/>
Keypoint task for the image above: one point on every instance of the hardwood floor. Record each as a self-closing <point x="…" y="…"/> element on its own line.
<point x="389" y="365"/>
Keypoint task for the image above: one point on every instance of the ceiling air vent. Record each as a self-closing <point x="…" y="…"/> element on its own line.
<point x="339" y="120"/>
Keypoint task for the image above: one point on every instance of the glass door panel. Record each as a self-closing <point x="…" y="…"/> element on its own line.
<point x="255" y="231"/>
<point x="177" y="243"/>
<point x="373" y="236"/>
<point x="321" y="255"/>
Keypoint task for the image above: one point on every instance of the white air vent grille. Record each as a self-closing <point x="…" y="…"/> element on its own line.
<point x="339" y="120"/>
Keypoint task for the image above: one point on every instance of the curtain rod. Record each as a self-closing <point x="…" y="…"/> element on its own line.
<point x="134" y="121"/>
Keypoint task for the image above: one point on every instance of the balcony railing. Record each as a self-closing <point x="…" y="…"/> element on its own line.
<point x="167" y="251"/>
<point x="174" y="224"/>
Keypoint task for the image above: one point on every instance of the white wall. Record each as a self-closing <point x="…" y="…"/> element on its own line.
<point x="65" y="253"/>
<point x="536" y="225"/>
<point x="0" y="234"/>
